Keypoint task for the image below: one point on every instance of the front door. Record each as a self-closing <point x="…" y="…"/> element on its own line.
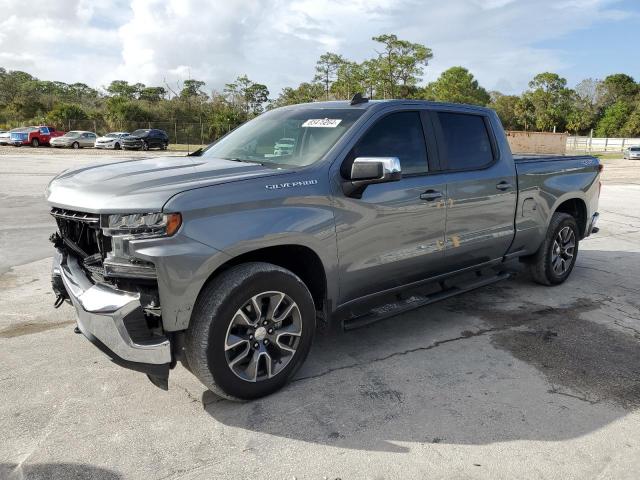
<point x="394" y="234"/>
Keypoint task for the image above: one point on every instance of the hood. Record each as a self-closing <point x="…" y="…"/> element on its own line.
<point x="144" y="185"/>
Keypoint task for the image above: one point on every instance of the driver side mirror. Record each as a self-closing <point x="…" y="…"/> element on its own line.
<point x="369" y="170"/>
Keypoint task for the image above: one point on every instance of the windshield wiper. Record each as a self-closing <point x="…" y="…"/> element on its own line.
<point x="196" y="153"/>
<point x="243" y="160"/>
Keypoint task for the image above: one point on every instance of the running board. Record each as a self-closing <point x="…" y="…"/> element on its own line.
<point x="417" y="301"/>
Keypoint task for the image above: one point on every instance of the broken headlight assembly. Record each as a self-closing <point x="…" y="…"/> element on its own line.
<point x="123" y="228"/>
<point x="142" y="225"/>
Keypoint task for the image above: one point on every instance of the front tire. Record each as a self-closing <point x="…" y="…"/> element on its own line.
<point x="75" y="145"/>
<point x="35" y="143"/>
<point x="145" y="146"/>
<point x="554" y="261"/>
<point x="116" y="146"/>
<point x="251" y="329"/>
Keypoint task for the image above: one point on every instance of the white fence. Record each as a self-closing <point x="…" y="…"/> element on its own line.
<point x="592" y="144"/>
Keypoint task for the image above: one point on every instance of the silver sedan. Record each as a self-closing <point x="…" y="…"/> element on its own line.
<point x="75" y="139"/>
<point x="632" y="153"/>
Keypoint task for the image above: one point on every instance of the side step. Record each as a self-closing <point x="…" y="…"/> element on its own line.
<point x="417" y="301"/>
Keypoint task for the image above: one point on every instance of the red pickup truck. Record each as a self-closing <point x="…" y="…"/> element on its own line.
<point x="34" y="136"/>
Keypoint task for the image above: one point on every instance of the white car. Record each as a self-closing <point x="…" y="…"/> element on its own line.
<point x="111" y="140"/>
<point x="5" y="137"/>
<point x="632" y="153"/>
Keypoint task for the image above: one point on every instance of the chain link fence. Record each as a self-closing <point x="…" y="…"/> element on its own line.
<point x="183" y="136"/>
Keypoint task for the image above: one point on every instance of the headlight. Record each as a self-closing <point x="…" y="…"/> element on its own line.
<point x="143" y="224"/>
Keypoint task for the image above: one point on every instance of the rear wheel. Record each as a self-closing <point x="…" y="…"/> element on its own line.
<point x="553" y="262"/>
<point x="251" y="330"/>
<point x="35" y="143"/>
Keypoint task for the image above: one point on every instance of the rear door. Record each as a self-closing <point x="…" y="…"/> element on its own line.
<point x="394" y="233"/>
<point x="481" y="188"/>
<point x="155" y="139"/>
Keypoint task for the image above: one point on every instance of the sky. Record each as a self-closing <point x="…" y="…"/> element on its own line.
<point x="504" y="43"/>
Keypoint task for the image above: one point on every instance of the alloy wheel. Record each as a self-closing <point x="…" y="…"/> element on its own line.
<point x="563" y="251"/>
<point x="263" y="336"/>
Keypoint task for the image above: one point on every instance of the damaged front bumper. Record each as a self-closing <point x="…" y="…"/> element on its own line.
<point x="107" y="316"/>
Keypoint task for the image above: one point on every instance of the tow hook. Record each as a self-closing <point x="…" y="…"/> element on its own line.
<point x="59" y="301"/>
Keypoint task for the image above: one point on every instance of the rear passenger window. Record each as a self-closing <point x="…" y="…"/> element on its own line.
<point x="397" y="135"/>
<point x="465" y="142"/>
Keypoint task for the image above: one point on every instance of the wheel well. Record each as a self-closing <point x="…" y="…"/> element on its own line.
<point x="576" y="208"/>
<point x="300" y="260"/>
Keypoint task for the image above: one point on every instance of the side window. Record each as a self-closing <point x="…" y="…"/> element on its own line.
<point x="465" y="141"/>
<point x="396" y="135"/>
<point x="44" y="130"/>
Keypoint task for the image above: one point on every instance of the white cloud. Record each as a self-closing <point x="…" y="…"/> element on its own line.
<point x="277" y="42"/>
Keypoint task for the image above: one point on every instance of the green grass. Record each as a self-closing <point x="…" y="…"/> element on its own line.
<point x="608" y="156"/>
<point x="183" y="147"/>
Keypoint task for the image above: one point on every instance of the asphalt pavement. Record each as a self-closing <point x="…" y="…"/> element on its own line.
<point x="515" y="380"/>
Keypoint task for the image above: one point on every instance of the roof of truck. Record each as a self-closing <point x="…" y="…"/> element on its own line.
<point x="381" y="103"/>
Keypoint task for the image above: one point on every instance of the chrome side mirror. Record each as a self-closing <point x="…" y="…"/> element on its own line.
<point x="369" y="170"/>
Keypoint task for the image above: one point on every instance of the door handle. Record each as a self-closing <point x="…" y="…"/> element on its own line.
<point x="504" y="186"/>
<point x="430" y="195"/>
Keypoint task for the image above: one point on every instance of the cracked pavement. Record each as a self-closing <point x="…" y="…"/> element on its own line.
<point x="514" y="380"/>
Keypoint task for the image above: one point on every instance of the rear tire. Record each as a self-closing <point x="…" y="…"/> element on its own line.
<point x="240" y="352"/>
<point x="554" y="261"/>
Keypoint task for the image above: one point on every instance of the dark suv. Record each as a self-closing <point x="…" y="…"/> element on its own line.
<point x="146" y="138"/>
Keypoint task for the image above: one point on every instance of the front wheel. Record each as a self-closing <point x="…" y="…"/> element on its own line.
<point x="76" y="145"/>
<point x="35" y="143"/>
<point x="553" y="262"/>
<point x="251" y="330"/>
<point x="145" y="146"/>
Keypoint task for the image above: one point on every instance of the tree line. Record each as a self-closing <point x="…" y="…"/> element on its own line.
<point x="610" y="106"/>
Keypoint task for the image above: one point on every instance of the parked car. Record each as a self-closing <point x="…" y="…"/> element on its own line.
<point x="227" y="260"/>
<point x="111" y="140"/>
<point x="146" y="139"/>
<point x="284" y="146"/>
<point x="5" y="137"/>
<point x="632" y="153"/>
<point x="34" y="136"/>
<point x="75" y="139"/>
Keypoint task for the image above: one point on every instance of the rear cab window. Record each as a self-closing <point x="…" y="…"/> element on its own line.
<point x="464" y="141"/>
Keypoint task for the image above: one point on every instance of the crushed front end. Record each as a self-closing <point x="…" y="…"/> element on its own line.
<point x="115" y="294"/>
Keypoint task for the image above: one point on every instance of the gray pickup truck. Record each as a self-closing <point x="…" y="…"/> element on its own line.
<point x="228" y="260"/>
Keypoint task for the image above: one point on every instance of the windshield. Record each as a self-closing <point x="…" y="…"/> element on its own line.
<point x="72" y="134"/>
<point x="299" y="136"/>
<point x="634" y="149"/>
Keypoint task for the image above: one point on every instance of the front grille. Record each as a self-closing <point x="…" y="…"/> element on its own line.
<point x="81" y="233"/>
<point x="75" y="216"/>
